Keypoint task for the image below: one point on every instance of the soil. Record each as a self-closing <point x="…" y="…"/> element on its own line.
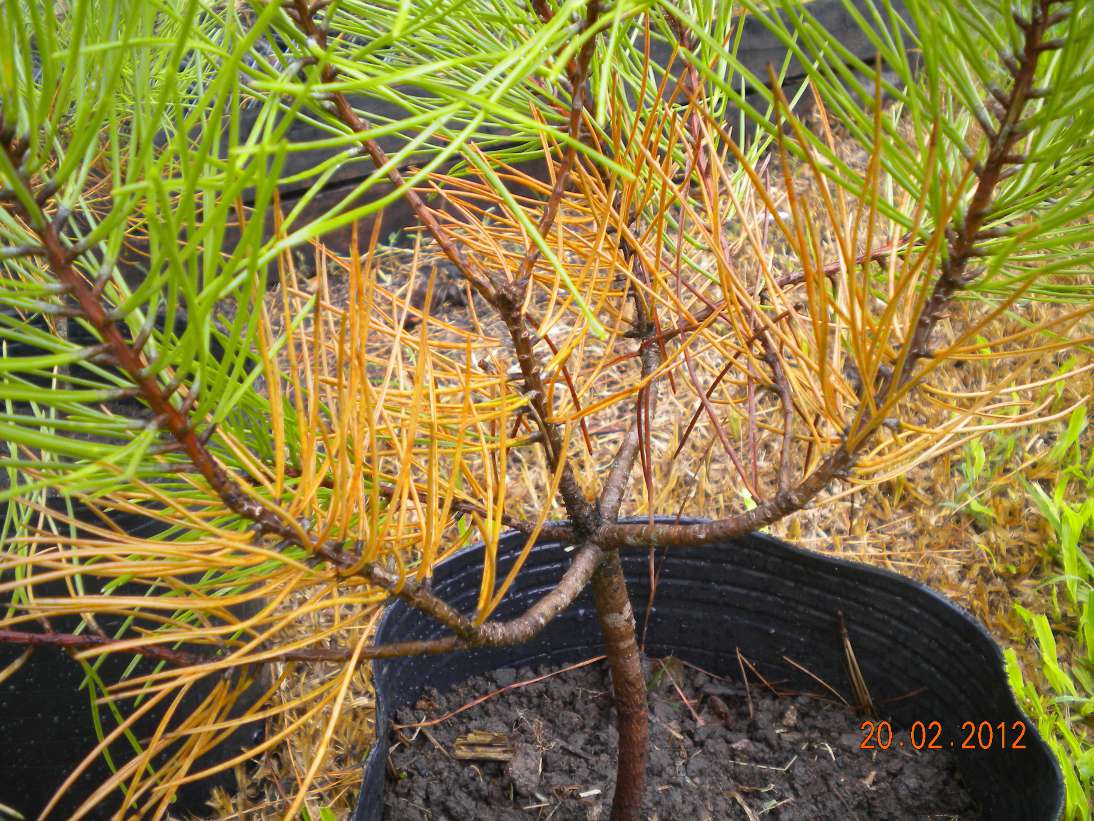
<point x="797" y="757"/>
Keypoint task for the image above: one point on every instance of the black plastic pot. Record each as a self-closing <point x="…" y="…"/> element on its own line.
<point x="923" y="658"/>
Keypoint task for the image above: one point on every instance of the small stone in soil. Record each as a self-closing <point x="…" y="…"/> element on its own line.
<point x="525" y="769"/>
<point x="562" y="732"/>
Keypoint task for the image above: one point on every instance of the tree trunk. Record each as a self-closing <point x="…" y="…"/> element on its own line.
<point x="613" y="609"/>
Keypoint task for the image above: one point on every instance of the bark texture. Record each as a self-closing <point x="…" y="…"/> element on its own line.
<point x="613" y="610"/>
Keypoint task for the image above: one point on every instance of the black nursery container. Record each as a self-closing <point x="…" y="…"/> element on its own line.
<point x="923" y="658"/>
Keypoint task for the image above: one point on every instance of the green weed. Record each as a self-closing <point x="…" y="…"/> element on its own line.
<point x="1061" y="699"/>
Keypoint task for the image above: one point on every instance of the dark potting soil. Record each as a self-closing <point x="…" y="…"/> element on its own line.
<point x="796" y="757"/>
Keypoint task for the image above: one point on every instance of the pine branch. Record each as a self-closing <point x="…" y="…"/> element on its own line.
<point x="963" y="240"/>
<point x="518" y="630"/>
<point x="191" y="658"/>
<point x="129" y="360"/>
<point x="619" y="473"/>
<point x="962" y="248"/>
<point x="86" y="641"/>
<point x="783" y="503"/>
<point x="267" y="521"/>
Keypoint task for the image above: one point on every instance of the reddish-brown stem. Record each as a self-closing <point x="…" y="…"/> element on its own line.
<point x="577" y="506"/>
<point x="524" y="627"/>
<point x="782" y="386"/>
<point x="189" y="658"/>
<point x="418" y="597"/>
<point x="621" y="536"/>
<point x="542" y="10"/>
<point x="637" y="434"/>
<point x="498" y="633"/>
<point x="69" y="641"/>
<point x="616" y="619"/>
<point x="613" y="607"/>
<point x="518" y="630"/>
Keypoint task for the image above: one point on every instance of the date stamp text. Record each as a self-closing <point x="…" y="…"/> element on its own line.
<point x="928" y="735"/>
